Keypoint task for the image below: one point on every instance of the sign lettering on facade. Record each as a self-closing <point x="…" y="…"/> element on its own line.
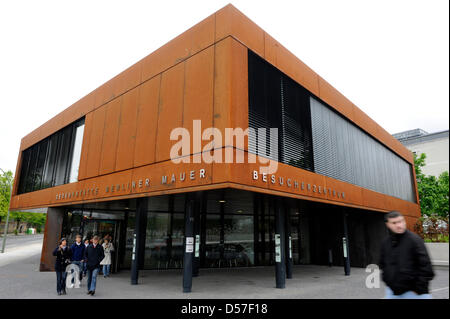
<point x="170" y="179"/>
<point x="293" y="184"/>
<point x="140" y="184"/>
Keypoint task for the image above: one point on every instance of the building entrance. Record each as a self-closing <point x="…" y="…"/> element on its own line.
<point x="232" y="228"/>
<point x="95" y="223"/>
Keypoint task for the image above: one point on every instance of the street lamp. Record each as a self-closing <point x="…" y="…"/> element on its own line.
<point x="7" y="216"/>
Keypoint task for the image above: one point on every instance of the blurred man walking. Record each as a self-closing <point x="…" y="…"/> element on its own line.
<point x="94" y="255"/>
<point x="404" y="261"/>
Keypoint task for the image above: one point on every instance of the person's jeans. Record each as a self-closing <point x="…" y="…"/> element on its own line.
<point x="406" y="295"/>
<point x="84" y="267"/>
<point x="106" y="270"/>
<point x="92" y="279"/>
<point x="80" y="273"/>
<point x="61" y="281"/>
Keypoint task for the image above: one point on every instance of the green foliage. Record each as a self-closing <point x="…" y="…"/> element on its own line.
<point x="433" y="192"/>
<point x="419" y="162"/>
<point x="34" y="219"/>
<point x="6" y="179"/>
<point x="432" y="228"/>
<point x="441" y="239"/>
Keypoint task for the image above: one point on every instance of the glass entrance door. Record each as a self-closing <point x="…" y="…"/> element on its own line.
<point x="101" y="228"/>
<point x="91" y="223"/>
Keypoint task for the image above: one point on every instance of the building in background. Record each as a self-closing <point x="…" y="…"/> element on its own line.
<point x="22" y="227"/>
<point x="103" y="165"/>
<point x="434" y="145"/>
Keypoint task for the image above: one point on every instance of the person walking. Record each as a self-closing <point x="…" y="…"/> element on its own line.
<point x="404" y="261"/>
<point x="63" y="254"/>
<point x="108" y="248"/>
<point x="94" y="255"/>
<point x="78" y="255"/>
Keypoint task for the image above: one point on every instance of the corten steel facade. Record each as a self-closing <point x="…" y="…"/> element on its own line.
<point x="205" y="74"/>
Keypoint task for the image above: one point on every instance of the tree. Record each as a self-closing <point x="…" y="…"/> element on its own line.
<point x="6" y="179"/>
<point x="17" y="217"/>
<point x="433" y="192"/>
<point x="34" y="219"/>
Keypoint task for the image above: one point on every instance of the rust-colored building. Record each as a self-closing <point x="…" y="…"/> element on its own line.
<point x="103" y="165"/>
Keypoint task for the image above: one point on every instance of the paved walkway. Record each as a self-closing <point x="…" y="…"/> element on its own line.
<point x="21" y="240"/>
<point x="438" y="253"/>
<point x="20" y="247"/>
<point x="20" y="278"/>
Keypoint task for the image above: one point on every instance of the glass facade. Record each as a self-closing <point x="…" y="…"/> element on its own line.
<point x="164" y="232"/>
<point x="130" y="226"/>
<point x="90" y="223"/>
<point x="312" y="136"/>
<point x="53" y="161"/>
<point x="75" y="163"/>
<point x="229" y="229"/>
<point x="236" y="229"/>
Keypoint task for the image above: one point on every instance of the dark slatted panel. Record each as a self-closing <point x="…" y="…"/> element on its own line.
<point x="345" y="152"/>
<point x="264" y="104"/>
<point x="296" y="125"/>
<point x="276" y="101"/>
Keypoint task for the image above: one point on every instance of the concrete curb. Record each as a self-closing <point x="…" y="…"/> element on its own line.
<point x="439" y="254"/>
<point x="440" y="264"/>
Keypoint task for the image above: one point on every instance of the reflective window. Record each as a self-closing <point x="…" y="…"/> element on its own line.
<point x="165" y="232"/>
<point x="177" y="240"/>
<point x="229" y="229"/>
<point x="213" y="248"/>
<point x="24" y="171"/>
<point x="32" y="169"/>
<point x="238" y="237"/>
<point x="49" y="166"/>
<point x="156" y="240"/>
<point x="40" y="164"/>
<point x="129" y="237"/>
<point x="62" y="160"/>
<point x="53" y="161"/>
<point x="75" y="165"/>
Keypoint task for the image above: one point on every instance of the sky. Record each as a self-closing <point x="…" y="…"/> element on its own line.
<point x="390" y="58"/>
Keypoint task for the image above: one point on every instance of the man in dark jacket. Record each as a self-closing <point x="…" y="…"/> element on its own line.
<point x="63" y="254"/>
<point x="93" y="255"/>
<point x="78" y="254"/>
<point x="404" y="261"/>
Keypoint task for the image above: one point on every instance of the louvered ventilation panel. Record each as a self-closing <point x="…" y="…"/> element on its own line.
<point x="343" y="151"/>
